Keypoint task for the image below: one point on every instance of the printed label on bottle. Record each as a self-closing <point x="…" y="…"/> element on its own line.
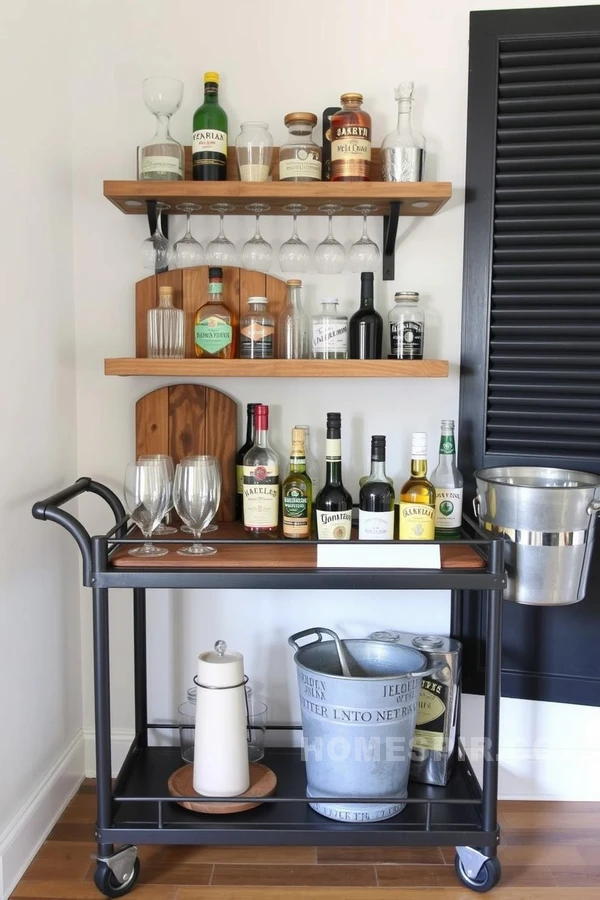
<point x="303" y="165"/>
<point x="351" y="151"/>
<point x="256" y="341"/>
<point x="375" y="526"/>
<point x="209" y="148"/>
<point x="254" y="172"/>
<point x="161" y="165"/>
<point x="330" y="336"/>
<point x="295" y="513"/>
<point x="417" y="522"/>
<point x="406" y="340"/>
<point x="215" y="287"/>
<point x="448" y="508"/>
<point x="213" y="334"/>
<point x="431" y="716"/>
<point x="447" y="447"/>
<point x="261" y="496"/>
<point x="334" y="526"/>
<point x="333" y="450"/>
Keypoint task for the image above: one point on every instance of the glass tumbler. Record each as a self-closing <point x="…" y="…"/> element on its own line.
<point x="187" y="726"/>
<point x="254" y="151"/>
<point x="257" y="727"/>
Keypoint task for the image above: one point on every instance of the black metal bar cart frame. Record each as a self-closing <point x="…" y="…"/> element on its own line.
<point x="138" y="807"/>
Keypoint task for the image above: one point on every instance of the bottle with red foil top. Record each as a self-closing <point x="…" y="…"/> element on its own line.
<point x="261" y="478"/>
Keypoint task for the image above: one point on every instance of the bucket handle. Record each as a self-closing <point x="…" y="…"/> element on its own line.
<point x="476" y="507"/>
<point x="594" y="508"/>
<point x="426" y="672"/>
<point x="319" y="632"/>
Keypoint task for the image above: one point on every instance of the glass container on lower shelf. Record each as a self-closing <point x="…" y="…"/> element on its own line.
<point x="257" y="716"/>
<point x="257" y="330"/>
<point x="165" y="328"/>
<point x="293" y="325"/>
<point x="406" y="326"/>
<point x="330" y="332"/>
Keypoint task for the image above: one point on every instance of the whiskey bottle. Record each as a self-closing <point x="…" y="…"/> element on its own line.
<point x="448" y="483"/>
<point x="215" y="331"/>
<point x="417" y="496"/>
<point x="366" y="325"/>
<point x="333" y="502"/>
<point x="209" y="139"/>
<point x="296" y="492"/>
<point x="351" y="141"/>
<point x="239" y="460"/>
<point x="377" y="498"/>
<point x="261" y="478"/>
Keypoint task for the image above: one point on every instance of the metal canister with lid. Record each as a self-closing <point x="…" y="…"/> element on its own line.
<point x="435" y="738"/>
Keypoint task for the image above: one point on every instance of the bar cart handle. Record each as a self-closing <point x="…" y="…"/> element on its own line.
<point x="61" y="497"/>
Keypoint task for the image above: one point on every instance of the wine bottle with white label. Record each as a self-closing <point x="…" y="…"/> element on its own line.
<point x="260" y="472"/>
<point x="448" y="483"/>
<point x="333" y="503"/>
<point x="209" y="138"/>
<point x="417" y="496"/>
<point x="377" y="498"/>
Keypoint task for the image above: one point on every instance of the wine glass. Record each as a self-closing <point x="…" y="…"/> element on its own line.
<point x="257" y="253"/>
<point x="187" y="250"/>
<point x="364" y="253"/>
<point x="147" y="497"/>
<point x="221" y="251"/>
<point x="294" y="253"/>
<point x="166" y="460"/>
<point x="186" y="461"/>
<point x="197" y="494"/>
<point x="157" y="251"/>
<point x="330" y="255"/>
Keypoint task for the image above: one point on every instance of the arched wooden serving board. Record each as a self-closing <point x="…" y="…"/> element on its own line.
<point x="190" y="292"/>
<point x="187" y="420"/>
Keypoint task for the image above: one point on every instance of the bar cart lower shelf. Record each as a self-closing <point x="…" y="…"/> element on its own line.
<point x="138" y="807"/>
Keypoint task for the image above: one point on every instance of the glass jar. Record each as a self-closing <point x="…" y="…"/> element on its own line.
<point x="257" y="330"/>
<point x="300" y="157"/>
<point x="330" y="332"/>
<point x="406" y="326"/>
<point x="293" y="325"/>
<point x="187" y="724"/>
<point x="254" y="151"/>
<point x="165" y="327"/>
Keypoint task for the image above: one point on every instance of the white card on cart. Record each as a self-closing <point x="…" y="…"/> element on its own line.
<point x="343" y="555"/>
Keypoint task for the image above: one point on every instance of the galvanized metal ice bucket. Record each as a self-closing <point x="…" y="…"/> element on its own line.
<point x="357" y="730"/>
<point x="547" y="516"/>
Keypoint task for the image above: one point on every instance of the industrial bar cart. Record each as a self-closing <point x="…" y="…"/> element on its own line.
<point x="138" y="807"/>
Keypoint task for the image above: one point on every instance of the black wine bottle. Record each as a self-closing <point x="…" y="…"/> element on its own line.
<point x="377" y="498"/>
<point x="334" y="503"/>
<point x="239" y="460"/>
<point x="366" y="325"/>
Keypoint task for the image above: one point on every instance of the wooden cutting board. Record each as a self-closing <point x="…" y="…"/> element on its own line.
<point x="191" y="419"/>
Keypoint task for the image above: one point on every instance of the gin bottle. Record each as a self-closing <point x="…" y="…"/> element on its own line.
<point x="448" y="484"/>
<point x="403" y="150"/>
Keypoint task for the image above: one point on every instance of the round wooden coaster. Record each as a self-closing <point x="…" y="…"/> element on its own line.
<point x="263" y="782"/>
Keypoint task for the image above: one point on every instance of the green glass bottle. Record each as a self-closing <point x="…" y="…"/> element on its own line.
<point x="296" y="492"/>
<point x="209" y="140"/>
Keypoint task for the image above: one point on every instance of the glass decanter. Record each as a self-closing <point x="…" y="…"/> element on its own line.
<point x="165" y="327"/>
<point x="162" y="158"/>
<point x="403" y="150"/>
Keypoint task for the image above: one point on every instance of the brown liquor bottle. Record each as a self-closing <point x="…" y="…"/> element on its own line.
<point x="351" y="141"/>
<point x="215" y="323"/>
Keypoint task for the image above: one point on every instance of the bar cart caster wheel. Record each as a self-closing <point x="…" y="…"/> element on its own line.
<point x="487" y="877"/>
<point x="107" y="883"/>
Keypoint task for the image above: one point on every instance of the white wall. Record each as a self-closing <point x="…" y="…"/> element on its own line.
<point x="273" y="60"/>
<point x="41" y="750"/>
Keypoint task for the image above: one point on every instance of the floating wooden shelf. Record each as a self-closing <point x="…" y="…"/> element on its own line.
<point x="280" y="368"/>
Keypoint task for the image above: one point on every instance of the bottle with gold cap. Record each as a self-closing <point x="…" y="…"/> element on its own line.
<point x="351" y="141"/>
<point x="209" y="140"/>
<point x="296" y="492"/>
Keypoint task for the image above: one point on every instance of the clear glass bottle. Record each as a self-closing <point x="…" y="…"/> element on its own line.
<point x="257" y="330"/>
<point x="313" y="469"/>
<point x="330" y="332"/>
<point x="293" y="325"/>
<point x="165" y="328"/>
<point x="417" y="496"/>
<point x="448" y="483"/>
<point x="261" y="478"/>
<point x="162" y="158"/>
<point x="296" y="492"/>
<point x="403" y="150"/>
<point x="351" y="141"/>
<point x="300" y="157"/>
<point x="406" y="322"/>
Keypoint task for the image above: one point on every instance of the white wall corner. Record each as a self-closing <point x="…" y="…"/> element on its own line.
<point x="29" y="828"/>
<point x="121" y="739"/>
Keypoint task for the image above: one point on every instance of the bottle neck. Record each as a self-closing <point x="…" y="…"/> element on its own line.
<point x="378" y="470"/>
<point x="418" y="467"/>
<point x="165" y="301"/>
<point x="333" y="458"/>
<point x="211" y="95"/>
<point x="293" y="297"/>
<point x="404" y="115"/>
<point x="261" y="438"/>
<point x="250" y="427"/>
<point x="447" y="450"/>
<point x="215" y="291"/>
<point x="162" y="125"/>
<point x="366" y="296"/>
<point x="298" y="460"/>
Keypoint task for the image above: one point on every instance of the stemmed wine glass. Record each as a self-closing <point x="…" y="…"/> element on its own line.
<point x="257" y="253"/>
<point x="186" y="528"/>
<point x="162" y="527"/>
<point x="147" y="492"/>
<point x="157" y="250"/>
<point x="187" y="250"/>
<point x="294" y="253"/>
<point x="197" y="494"/>
<point x="330" y="255"/>
<point x="364" y="253"/>
<point x="221" y="251"/>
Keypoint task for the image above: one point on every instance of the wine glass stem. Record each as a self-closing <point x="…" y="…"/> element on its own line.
<point x="159" y="222"/>
<point x="330" y="232"/>
<point x="162" y="125"/>
<point x="295" y="227"/>
<point x="148" y="539"/>
<point x="257" y="232"/>
<point x="364" y="234"/>
<point x="222" y="225"/>
<point x="188" y="232"/>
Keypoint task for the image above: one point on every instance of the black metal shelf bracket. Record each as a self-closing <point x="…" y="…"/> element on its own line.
<point x="390" y="232"/>
<point x="152" y="221"/>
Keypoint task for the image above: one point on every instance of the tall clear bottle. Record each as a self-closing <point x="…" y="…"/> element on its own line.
<point x="403" y="150"/>
<point x="333" y="502"/>
<point x="293" y="325"/>
<point x="165" y="327"/>
<point x="448" y="483"/>
<point x="261" y="478"/>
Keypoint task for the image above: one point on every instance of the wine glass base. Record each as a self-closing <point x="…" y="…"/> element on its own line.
<point x="188" y="530"/>
<point x="164" y="529"/>
<point x="197" y="550"/>
<point x="148" y="551"/>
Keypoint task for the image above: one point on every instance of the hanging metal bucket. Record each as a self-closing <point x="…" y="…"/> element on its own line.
<point x="547" y="517"/>
<point x="357" y="730"/>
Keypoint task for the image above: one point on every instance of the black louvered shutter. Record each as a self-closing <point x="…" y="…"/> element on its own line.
<point x="530" y="382"/>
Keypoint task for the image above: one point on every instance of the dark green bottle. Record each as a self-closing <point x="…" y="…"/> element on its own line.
<point x="209" y="141"/>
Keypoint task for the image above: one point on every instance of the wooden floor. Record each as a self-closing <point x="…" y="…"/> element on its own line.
<point x="550" y="851"/>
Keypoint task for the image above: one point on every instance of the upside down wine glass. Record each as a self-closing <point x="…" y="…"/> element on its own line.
<point x="294" y="253"/>
<point x="257" y="253"/>
<point x="364" y="253"/>
<point x="147" y="493"/>
<point x="187" y="250"/>
<point x="157" y="251"/>
<point x="330" y="255"/>
<point x="197" y="494"/>
<point x="221" y="251"/>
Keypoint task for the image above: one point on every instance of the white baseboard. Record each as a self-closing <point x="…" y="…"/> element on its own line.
<point x="29" y="828"/>
<point x="121" y="739"/>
